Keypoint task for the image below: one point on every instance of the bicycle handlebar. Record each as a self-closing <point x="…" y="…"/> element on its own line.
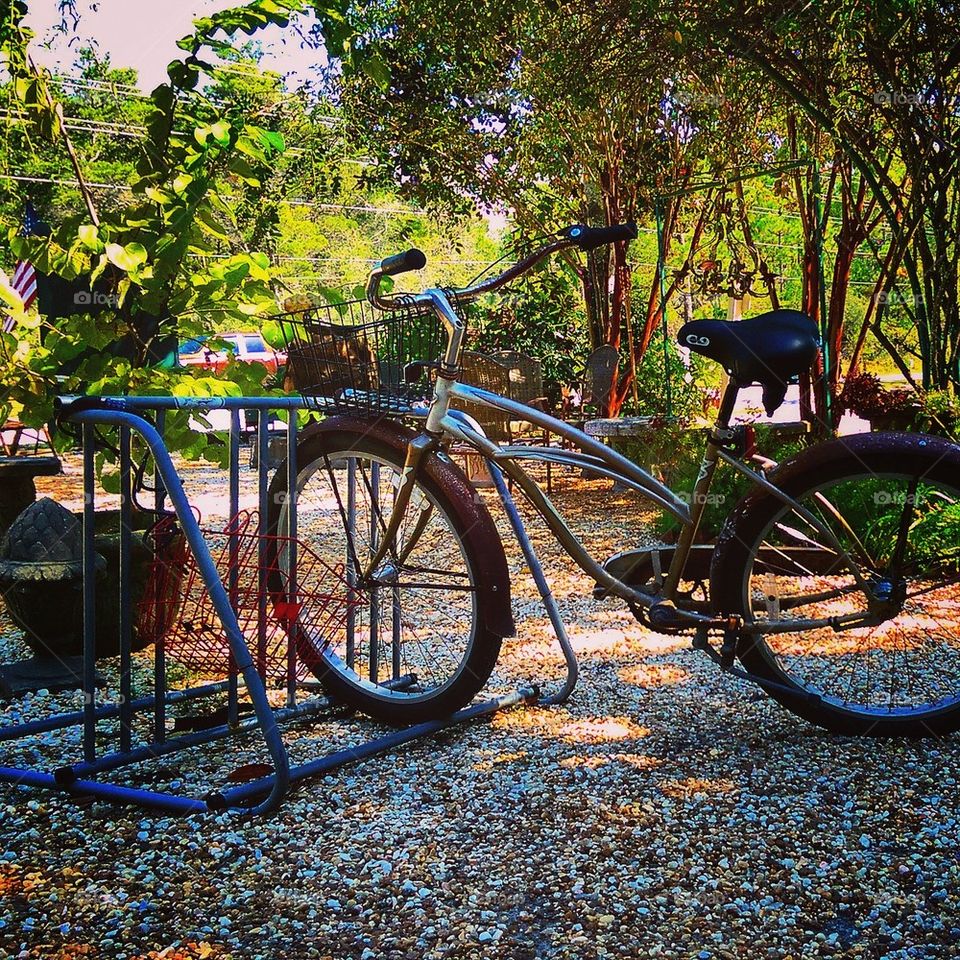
<point x="589" y="238"/>
<point x="412" y="259"/>
<point x="579" y="235"/>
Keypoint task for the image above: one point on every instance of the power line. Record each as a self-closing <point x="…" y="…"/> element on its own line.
<point x="81" y="127"/>
<point x="91" y="83"/>
<point x="62" y="183"/>
<point x="104" y="86"/>
<point x="363" y="208"/>
<point x="117" y="129"/>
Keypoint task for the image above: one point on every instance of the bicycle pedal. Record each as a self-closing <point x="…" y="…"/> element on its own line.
<point x="728" y="649"/>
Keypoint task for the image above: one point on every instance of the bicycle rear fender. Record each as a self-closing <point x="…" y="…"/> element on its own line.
<point x="493" y="587"/>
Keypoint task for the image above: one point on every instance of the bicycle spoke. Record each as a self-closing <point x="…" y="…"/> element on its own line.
<point x="416" y="614"/>
<point x="910" y="659"/>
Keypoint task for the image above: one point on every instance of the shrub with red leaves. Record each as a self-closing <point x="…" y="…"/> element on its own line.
<point x="865" y="396"/>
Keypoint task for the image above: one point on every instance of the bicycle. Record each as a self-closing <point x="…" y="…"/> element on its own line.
<point x="834" y="581"/>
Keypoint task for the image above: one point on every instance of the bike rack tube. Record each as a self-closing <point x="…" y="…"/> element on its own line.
<point x="131" y="417"/>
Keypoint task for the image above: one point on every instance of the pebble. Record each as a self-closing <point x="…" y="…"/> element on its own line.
<point x="665" y="811"/>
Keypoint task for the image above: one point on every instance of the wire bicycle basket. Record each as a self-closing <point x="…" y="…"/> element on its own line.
<point x="177" y="609"/>
<point x="349" y="357"/>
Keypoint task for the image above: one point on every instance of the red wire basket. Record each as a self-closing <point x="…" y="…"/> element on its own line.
<point x="282" y="632"/>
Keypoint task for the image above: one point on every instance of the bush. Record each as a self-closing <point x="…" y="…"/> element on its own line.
<point x="674" y="452"/>
<point x="865" y="396"/>
<point x="541" y="316"/>
<point x="689" y="401"/>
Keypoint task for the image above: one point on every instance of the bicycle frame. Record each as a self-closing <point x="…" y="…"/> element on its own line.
<point x="600" y="460"/>
<point x="443" y="424"/>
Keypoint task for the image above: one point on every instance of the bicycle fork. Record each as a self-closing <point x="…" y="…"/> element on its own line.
<point x="419" y="447"/>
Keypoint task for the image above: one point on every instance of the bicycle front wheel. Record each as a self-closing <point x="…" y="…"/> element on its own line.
<point x="411" y="642"/>
<point x="856" y="589"/>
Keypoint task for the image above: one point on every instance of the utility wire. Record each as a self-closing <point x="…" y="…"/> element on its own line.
<point x="362" y="208"/>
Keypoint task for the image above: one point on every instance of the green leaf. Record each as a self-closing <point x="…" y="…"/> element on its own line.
<point x="126" y="258"/>
<point x="184" y="74"/>
<point x="377" y="69"/>
<point x="221" y="132"/>
<point x="10" y="296"/>
<point x="89" y="236"/>
<point x="251" y="149"/>
<point x="110" y="481"/>
<point x="209" y="225"/>
<point x="137" y="251"/>
<point x="123" y="288"/>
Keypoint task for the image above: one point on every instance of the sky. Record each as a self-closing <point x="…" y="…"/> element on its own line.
<point x="143" y="34"/>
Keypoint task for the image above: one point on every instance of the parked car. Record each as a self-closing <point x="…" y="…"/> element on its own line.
<point x="249" y="347"/>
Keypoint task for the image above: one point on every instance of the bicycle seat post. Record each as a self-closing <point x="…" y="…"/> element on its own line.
<point x="728" y="400"/>
<point x="716" y="437"/>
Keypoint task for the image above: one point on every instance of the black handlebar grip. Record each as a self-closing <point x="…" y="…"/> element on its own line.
<point x="589" y="238"/>
<point x="412" y="259"/>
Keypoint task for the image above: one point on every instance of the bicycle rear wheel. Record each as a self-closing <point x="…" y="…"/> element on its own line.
<point x="416" y="642"/>
<point x="892" y="502"/>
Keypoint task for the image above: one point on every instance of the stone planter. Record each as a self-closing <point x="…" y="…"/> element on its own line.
<point x="41" y="577"/>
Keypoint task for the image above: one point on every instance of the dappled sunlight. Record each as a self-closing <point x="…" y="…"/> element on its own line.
<point x="535" y="720"/>
<point x="12" y="883"/>
<point x="654" y="675"/>
<point x="602" y="730"/>
<point x="693" y="786"/>
<point x="595" y="641"/>
<point x="551" y="722"/>
<point x="661" y="643"/>
<point x="899" y="635"/>
<point x="614" y="615"/>
<point x="494" y="760"/>
<point x="639" y="761"/>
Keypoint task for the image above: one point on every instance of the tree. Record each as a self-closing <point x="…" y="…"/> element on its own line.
<point x="162" y="252"/>
<point x="496" y="106"/>
<point x="879" y="82"/>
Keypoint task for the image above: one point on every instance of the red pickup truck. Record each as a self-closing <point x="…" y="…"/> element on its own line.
<point x="248" y="347"/>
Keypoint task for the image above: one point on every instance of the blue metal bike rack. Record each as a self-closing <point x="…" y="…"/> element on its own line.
<point x="132" y="415"/>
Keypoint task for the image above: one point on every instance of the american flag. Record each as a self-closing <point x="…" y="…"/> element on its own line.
<point x="24" y="279"/>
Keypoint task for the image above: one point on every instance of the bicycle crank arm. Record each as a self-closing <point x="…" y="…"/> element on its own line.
<point x="664" y="615"/>
<point x="724" y="660"/>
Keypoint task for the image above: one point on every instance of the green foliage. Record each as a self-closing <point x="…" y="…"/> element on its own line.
<point x="178" y="245"/>
<point x="874" y="508"/>
<point x="542" y="316"/>
<point x="689" y="386"/>
<point x="673" y="451"/>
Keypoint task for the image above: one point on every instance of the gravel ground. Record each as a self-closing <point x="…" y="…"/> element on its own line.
<point x="664" y="811"/>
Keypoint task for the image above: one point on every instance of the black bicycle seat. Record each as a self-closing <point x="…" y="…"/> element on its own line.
<point x="769" y="349"/>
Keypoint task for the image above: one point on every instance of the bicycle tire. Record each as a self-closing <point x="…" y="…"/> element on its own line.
<point x="445" y="484"/>
<point x="933" y="459"/>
